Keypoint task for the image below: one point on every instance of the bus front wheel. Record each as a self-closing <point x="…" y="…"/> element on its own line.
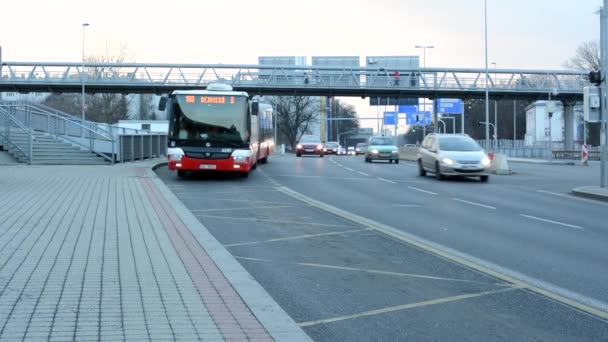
<point x="181" y="173"/>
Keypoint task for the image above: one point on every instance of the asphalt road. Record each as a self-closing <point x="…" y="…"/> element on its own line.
<point x="344" y="282"/>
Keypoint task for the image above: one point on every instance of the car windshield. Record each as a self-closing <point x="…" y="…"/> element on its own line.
<point x="331" y="144"/>
<point x="381" y="141"/>
<point x="310" y="139"/>
<point x="458" y="144"/>
<point x="361" y="145"/>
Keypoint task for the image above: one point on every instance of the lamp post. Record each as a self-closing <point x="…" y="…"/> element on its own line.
<point x="424" y="47"/>
<point x="485" y="19"/>
<point x="82" y="74"/>
<point x="495" y="103"/>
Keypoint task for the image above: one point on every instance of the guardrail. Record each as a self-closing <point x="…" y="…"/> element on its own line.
<point x="155" y="78"/>
<point x="109" y="142"/>
<point x="17" y="128"/>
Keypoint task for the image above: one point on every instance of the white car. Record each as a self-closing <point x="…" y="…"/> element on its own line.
<point x="452" y="155"/>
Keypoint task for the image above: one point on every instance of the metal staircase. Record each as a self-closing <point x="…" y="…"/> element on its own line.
<point x="46" y="149"/>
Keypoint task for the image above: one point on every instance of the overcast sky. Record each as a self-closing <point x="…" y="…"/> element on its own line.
<point x="529" y="34"/>
<point x="522" y="33"/>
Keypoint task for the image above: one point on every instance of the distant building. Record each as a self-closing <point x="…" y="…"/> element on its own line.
<point x="541" y="129"/>
<point x="19" y="97"/>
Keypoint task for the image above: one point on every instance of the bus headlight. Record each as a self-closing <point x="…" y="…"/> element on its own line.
<point x="241" y="159"/>
<point x="175" y="157"/>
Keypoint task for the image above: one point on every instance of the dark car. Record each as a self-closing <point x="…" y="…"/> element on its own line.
<point x="331" y="147"/>
<point x="360" y="148"/>
<point x="309" y="144"/>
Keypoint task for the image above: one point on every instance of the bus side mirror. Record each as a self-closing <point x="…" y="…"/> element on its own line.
<point x="162" y="103"/>
<point x="255" y="108"/>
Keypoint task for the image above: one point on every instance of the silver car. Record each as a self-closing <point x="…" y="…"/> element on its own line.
<point x="452" y="155"/>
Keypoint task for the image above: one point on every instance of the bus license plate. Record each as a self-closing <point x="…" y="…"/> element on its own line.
<point x="206" y="167"/>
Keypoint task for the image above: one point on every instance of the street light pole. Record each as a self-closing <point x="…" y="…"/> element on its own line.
<point x="424" y="47"/>
<point x="485" y="9"/>
<point x="495" y="102"/>
<point x="82" y="74"/>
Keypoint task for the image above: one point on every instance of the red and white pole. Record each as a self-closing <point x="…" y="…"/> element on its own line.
<point x="585" y="155"/>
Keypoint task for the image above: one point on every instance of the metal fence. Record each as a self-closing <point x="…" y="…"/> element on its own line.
<point x="99" y="138"/>
<point x="15" y="136"/>
<point x="142" y="146"/>
<point x="541" y="149"/>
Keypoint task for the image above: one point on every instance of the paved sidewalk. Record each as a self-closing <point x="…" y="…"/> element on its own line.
<point x="107" y="253"/>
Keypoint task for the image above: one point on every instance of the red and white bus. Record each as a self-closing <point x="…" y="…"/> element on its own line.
<point x="217" y="129"/>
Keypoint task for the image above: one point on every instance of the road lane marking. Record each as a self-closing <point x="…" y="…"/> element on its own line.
<point x="582" y="303"/>
<point x="242" y="208"/>
<point x="247" y="200"/>
<point x="406" y="205"/>
<point x="386" y="180"/>
<point x="349" y="169"/>
<point x="398" y="274"/>
<point x="407" y="306"/>
<point x="323" y="177"/>
<point x="473" y="203"/>
<point x="274" y="221"/>
<point x="251" y="259"/>
<point x="421" y="190"/>
<point x="362" y="173"/>
<point x="551" y="221"/>
<point x="307" y="236"/>
<point x="225" y="192"/>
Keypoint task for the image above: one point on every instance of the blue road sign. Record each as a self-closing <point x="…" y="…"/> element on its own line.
<point x="449" y="106"/>
<point x="390" y="118"/>
<point x="419" y="118"/>
<point x="408" y="109"/>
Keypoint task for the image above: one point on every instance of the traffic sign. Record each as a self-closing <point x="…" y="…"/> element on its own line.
<point x="419" y="118"/>
<point x="449" y="106"/>
<point x="408" y="109"/>
<point x="390" y="118"/>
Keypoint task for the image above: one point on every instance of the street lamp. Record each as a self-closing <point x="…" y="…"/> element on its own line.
<point x="495" y="101"/>
<point x="424" y="47"/>
<point x="82" y="74"/>
<point x="485" y="19"/>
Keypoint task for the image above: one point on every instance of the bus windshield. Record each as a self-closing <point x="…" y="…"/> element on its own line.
<point x="219" y="118"/>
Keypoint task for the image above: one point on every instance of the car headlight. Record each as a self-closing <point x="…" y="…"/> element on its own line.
<point x="299" y="146"/>
<point x="486" y="161"/>
<point x="395" y="151"/>
<point x="374" y="151"/>
<point x="175" y="157"/>
<point x="319" y="147"/>
<point x="447" y="161"/>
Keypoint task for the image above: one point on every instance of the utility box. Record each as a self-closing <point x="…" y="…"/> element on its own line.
<point x="591" y="104"/>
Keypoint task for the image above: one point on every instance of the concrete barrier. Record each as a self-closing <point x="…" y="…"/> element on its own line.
<point x="499" y="165"/>
<point x="409" y="152"/>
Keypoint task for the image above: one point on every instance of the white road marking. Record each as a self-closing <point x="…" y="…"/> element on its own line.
<point x="551" y="221"/>
<point x="407" y="306"/>
<point x="295" y="237"/>
<point x="473" y="203"/>
<point x="243" y="208"/>
<point x="386" y="180"/>
<point x="406" y="205"/>
<point x="274" y="221"/>
<point x="362" y="173"/>
<point x="349" y="169"/>
<point x="421" y="190"/>
<point x="252" y="259"/>
<point x="398" y="274"/>
<point x="324" y="177"/>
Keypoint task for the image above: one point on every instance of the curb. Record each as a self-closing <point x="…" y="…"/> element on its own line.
<point x="540" y="162"/>
<point x="583" y="192"/>
<point x="268" y="312"/>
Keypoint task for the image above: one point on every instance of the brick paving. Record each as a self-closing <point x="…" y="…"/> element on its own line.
<point x="97" y="253"/>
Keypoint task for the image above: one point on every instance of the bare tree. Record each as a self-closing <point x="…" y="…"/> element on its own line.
<point x="294" y="115"/>
<point x="107" y="108"/>
<point x="343" y="110"/>
<point x="587" y="57"/>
